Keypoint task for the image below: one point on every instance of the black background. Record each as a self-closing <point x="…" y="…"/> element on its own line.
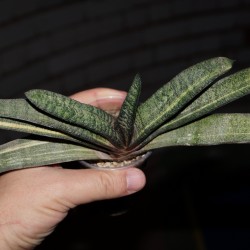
<point x="195" y="198"/>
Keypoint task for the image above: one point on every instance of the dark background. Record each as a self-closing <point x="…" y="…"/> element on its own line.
<point x="195" y="198"/>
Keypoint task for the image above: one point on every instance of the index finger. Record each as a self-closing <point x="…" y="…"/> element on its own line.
<point x="98" y="96"/>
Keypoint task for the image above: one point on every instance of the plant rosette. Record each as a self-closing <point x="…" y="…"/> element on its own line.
<point x="180" y="113"/>
<point x="112" y="105"/>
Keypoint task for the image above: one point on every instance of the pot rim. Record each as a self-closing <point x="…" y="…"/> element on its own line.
<point x="135" y="163"/>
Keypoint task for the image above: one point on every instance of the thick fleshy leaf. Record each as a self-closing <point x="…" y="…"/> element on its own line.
<point x="126" y="118"/>
<point x="20" y="109"/>
<point x="10" y="124"/>
<point x="222" y="92"/>
<point x="25" y="153"/>
<point x="212" y="130"/>
<point x="173" y="96"/>
<point x="74" y="112"/>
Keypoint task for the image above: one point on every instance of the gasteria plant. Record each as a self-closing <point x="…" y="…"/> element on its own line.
<point x="178" y="114"/>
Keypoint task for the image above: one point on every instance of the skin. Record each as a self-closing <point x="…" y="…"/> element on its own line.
<point x="33" y="201"/>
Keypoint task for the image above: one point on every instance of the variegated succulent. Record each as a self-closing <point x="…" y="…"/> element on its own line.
<point x="178" y="114"/>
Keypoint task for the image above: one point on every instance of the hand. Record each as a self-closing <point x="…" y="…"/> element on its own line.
<point x="33" y="201"/>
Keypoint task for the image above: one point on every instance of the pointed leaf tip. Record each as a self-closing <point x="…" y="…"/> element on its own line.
<point x="173" y="96"/>
<point x="76" y="113"/>
<point x="224" y="62"/>
<point x="137" y="78"/>
<point x="126" y="118"/>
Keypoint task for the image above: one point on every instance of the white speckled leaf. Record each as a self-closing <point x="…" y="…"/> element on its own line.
<point x="173" y="96"/>
<point x="222" y="92"/>
<point x="212" y="130"/>
<point x="10" y="124"/>
<point x="25" y="153"/>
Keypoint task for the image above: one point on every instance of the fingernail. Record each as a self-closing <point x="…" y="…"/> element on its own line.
<point x="135" y="180"/>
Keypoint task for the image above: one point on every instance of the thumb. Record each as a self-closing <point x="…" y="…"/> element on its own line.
<point x="87" y="185"/>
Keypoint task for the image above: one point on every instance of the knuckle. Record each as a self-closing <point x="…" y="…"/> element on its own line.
<point x="112" y="184"/>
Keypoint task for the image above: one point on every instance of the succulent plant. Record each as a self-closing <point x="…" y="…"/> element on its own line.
<point x="179" y="113"/>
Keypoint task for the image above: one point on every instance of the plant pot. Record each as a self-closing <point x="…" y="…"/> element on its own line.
<point x="138" y="162"/>
<point x="122" y="205"/>
<point x="118" y="206"/>
<point x="112" y="105"/>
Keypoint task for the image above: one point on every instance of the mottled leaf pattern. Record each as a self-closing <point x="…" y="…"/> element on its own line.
<point x="20" y="109"/>
<point x="173" y="116"/>
<point x="222" y="92"/>
<point x="125" y="120"/>
<point x="24" y="153"/>
<point x="169" y="99"/>
<point x="212" y="130"/>
<point x="10" y="124"/>
<point x="76" y="113"/>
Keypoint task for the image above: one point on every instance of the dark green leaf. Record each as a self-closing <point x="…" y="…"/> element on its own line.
<point x="126" y="118"/>
<point x="20" y="109"/>
<point x="173" y="96"/>
<point x="222" y="92"/>
<point x="74" y="112"/>
<point x="212" y="130"/>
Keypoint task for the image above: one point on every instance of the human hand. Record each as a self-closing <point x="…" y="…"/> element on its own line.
<point x="33" y="201"/>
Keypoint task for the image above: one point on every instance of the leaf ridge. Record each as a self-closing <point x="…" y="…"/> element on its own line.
<point x="74" y="112"/>
<point x="126" y="117"/>
<point x="220" y="93"/>
<point x="171" y="98"/>
<point x="25" y="153"/>
<point x="20" y="109"/>
<point x="212" y="130"/>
